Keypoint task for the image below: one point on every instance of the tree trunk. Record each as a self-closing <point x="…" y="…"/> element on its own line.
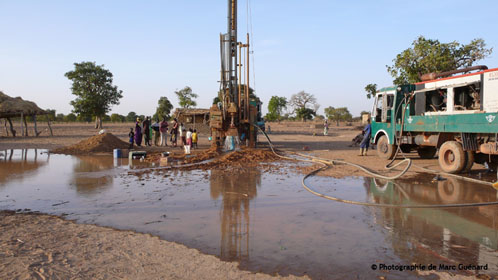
<point x="98" y="123"/>
<point x="11" y="127"/>
<point x="337" y="122"/>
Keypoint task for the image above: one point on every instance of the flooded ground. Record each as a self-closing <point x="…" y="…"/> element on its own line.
<point x="265" y="220"/>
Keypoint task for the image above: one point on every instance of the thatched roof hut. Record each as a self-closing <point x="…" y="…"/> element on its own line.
<point x="11" y="107"/>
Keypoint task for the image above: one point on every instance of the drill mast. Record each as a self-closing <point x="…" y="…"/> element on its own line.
<point x="233" y="117"/>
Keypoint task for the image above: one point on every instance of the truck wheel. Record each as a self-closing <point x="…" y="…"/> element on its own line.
<point x="450" y="191"/>
<point x="426" y="152"/>
<point x="469" y="161"/>
<point x="384" y="149"/>
<point x="451" y="157"/>
<point x="406" y="149"/>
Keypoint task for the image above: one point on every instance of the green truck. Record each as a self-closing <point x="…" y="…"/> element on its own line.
<point x="453" y="114"/>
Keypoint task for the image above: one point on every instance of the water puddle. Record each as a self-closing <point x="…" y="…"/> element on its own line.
<point x="264" y="220"/>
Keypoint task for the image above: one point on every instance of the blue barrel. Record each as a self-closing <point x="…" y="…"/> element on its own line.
<point x="117" y="153"/>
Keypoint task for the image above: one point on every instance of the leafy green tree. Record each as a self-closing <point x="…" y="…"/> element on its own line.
<point x="70" y="117"/>
<point x="186" y="97"/>
<point x="117" y="118"/>
<point x="83" y="118"/>
<point x="131" y="117"/>
<point x="95" y="93"/>
<point x="275" y="107"/>
<point x="427" y="56"/>
<point x="59" y="117"/>
<point x="371" y="90"/>
<point x="305" y="114"/>
<point x="163" y="109"/>
<point x="338" y="114"/>
<point x="51" y="114"/>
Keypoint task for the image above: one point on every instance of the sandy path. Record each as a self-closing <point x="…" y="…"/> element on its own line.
<point x="46" y="247"/>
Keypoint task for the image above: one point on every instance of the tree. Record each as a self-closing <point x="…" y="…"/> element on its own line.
<point x="70" y="117"/>
<point x="275" y="107"/>
<point x="338" y="114"/>
<point x="186" y="97"/>
<point x="427" y="56"/>
<point x="371" y="90"/>
<point x="305" y="114"/>
<point x="117" y="118"/>
<point x="51" y="114"/>
<point x="163" y="109"/>
<point x="131" y="117"/>
<point x="301" y="101"/>
<point x="92" y="84"/>
<point x="59" y="117"/>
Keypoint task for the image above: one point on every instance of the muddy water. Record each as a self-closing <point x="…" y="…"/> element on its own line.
<point x="264" y="220"/>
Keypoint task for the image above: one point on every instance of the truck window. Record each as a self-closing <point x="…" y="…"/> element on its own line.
<point x="467" y="97"/>
<point x="377" y="113"/>
<point x="436" y="100"/>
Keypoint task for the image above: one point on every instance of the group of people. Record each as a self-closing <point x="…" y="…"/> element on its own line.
<point x="158" y="131"/>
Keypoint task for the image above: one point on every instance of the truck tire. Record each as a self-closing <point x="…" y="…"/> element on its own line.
<point x="469" y="161"/>
<point x="426" y="152"/>
<point x="384" y="149"/>
<point x="451" y="157"/>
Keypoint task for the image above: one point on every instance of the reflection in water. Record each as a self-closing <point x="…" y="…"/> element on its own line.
<point x="14" y="164"/>
<point x="448" y="235"/>
<point x="237" y="190"/>
<point x="86" y="176"/>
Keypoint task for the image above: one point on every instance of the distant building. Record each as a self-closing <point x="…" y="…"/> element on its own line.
<point x="193" y="118"/>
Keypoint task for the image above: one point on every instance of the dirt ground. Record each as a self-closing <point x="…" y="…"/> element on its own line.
<point x="286" y="136"/>
<point x="42" y="246"/>
<point x="47" y="247"/>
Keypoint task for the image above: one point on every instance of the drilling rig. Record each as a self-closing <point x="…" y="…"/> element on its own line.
<point x="233" y="118"/>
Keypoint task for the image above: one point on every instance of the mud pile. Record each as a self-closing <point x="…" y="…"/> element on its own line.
<point x="102" y="143"/>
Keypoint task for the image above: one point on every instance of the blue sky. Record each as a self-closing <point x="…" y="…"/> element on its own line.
<point x="331" y="49"/>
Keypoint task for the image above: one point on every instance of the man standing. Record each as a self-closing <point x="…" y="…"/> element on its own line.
<point x="174" y="132"/>
<point x="163" y="129"/>
<point x="365" y="143"/>
<point x="146" y="126"/>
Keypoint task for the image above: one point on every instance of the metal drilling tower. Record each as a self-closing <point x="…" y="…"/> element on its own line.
<point x="234" y="116"/>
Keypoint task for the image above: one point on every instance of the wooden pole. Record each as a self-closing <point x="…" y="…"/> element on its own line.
<point x="22" y="126"/>
<point x="49" y="127"/>
<point x="25" y="126"/>
<point x="36" y="128"/>
<point x="11" y="127"/>
<point x="6" y="130"/>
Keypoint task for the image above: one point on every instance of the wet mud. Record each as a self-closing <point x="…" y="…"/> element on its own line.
<point x="262" y="217"/>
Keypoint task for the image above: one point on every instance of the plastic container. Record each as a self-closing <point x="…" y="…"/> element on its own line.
<point x="117" y="153"/>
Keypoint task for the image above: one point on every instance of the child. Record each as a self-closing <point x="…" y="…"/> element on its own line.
<point x="183" y="136"/>
<point x="194" y="139"/>
<point x="132" y="136"/>
<point x="188" y="145"/>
